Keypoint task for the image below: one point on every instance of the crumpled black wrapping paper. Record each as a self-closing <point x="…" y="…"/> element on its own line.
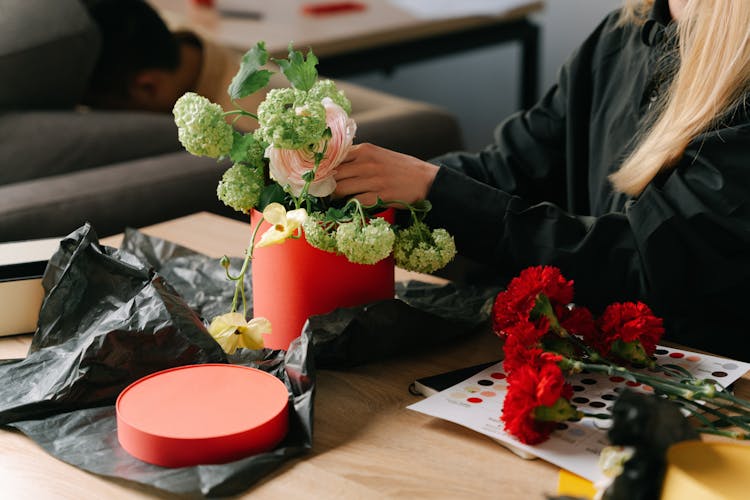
<point x="113" y="316"/>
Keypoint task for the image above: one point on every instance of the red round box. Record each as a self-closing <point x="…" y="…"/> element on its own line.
<point x="202" y="414"/>
<point x="294" y="280"/>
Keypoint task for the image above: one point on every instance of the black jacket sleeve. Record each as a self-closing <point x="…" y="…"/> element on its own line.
<point x="682" y="246"/>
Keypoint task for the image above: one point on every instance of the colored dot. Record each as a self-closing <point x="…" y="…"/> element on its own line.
<point x="661" y="351"/>
<point x="695" y="359"/>
<point x="617" y="379"/>
<point x="729" y="366"/>
<point x="632" y="383"/>
<point x="719" y="374"/>
<point x="676" y="355"/>
<point x="578" y="388"/>
<point x="647" y="388"/>
<point x="609" y="397"/>
<point x="497" y="375"/>
<point x="561" y="426"/>
<point x="471" y="389"/>
<point x="597" y="404"/>
<point x="488" y="394"/>
<point x="485" y="382"/>
<point x="588" y="381"/>
<point x="580" y="400"/>
<point x="474" y="400"/>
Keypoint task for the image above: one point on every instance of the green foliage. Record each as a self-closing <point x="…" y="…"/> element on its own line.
<point x="300" y="71"/>
<point x="272" y="193"/>
<point x="246" y="148"/>
<point x="251" y="77"/>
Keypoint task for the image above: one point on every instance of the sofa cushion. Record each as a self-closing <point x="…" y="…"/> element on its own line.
<point x="136" y="193"/>
<point x="38" y="144"/>
<point x="47" y="52"/>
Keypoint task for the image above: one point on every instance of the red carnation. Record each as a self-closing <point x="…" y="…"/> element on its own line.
<point x="537" y="398"/>
<point x="522" y="343"/>
<point x="626" y="326"/>
<point x="577" y="321"/>
<point x="516" y="303"/>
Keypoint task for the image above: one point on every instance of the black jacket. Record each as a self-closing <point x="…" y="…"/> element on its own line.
<point x="540" y="194"/>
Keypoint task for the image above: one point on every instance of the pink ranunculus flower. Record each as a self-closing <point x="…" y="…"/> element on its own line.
<point x="287" y="166"/>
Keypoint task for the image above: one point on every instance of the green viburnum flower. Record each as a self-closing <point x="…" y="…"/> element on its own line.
<point x="365" y="244"/>
<point x="289" y="120"/>
<point x="202" y="129"/>
<point x="240" y="187"/>
<point x="327" y="88"/>
<point x="418" y="249"/>
<point x="317" y="235"/>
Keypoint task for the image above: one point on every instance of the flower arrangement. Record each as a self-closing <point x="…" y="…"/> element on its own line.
<point x="285" y="169"/>
<point x="546" y="337"/>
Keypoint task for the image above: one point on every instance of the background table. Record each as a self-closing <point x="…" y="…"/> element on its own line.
<point x="378" y="38"/>
<point x="366" y="443"/>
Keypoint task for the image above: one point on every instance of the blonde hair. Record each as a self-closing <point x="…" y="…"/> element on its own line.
<point x="713" y="75"/>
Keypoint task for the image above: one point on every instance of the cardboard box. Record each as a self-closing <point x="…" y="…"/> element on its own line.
<point x="21" y="267"/>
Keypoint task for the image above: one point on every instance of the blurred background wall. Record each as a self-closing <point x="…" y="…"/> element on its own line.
<point x="491" y="93"/>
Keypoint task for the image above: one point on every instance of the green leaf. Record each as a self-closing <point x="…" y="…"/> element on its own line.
<point x="250" y="77"/>
<point x="272" y="193"/>
<point x="241" y="147"/>
<point x="300" y="72"/>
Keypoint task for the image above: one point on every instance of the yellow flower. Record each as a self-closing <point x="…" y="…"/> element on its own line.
<point x="283" y="224"/>
<point x="231" y="331"/>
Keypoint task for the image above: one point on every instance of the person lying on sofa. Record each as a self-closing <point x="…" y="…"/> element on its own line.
<point x="142" y="65"/>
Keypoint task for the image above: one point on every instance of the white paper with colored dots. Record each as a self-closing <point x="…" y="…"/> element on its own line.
<point x="477" y="403"/>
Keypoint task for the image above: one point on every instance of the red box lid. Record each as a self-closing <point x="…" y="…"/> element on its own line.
<point x="202" y="414"/>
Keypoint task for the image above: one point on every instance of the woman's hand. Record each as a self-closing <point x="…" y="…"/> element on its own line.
<point x="369" y="172"/>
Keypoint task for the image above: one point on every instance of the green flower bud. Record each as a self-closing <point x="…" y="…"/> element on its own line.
<point x="365" y="244"/>
<point x="288" y="120"/>
<point x="317" y="235"/>
<point x="326" y="88"/>
<point x="418" y="249"/>
<point x="202" y="129"/>
<point x="240" y="187"/>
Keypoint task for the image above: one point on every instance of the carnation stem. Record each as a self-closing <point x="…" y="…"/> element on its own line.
<point x="666" y="386"/>
<point x="719" y="432"/>
<point x="737" y="423"/>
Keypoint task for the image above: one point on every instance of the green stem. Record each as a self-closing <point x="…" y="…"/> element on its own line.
<point x="719" y="432"/>
<point x="737" y="423"/>
<point x="239" y="285"/>
<point x="665" y="386"/>
<point x="240" y="112"/>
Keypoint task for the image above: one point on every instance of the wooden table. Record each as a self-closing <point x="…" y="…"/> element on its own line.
<point x="380" y="37"/>
<point x="366" y="443"/>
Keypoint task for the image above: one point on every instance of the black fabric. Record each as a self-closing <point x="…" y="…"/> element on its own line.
<point x="112" y="316"/>
<point x="540" y="194"/>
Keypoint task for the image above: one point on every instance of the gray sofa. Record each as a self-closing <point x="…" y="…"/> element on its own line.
<point x="61" y="167"/>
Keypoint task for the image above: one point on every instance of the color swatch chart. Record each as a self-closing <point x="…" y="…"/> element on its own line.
<point x="477" y="403"/>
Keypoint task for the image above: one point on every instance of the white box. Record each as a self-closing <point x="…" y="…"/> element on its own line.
<point x="21" y="267"/>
